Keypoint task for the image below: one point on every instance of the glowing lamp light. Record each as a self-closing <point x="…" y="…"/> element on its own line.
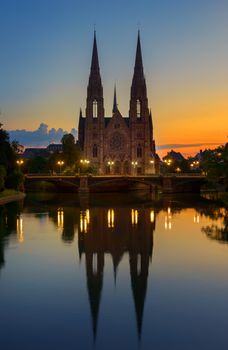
<point x="152" y="216"/>
<point x="134" y="216"/>
<point x="111" y="217"/>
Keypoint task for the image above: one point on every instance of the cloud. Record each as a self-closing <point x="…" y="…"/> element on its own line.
<point x="39" y="137"/>
<point x="186" y="145"/>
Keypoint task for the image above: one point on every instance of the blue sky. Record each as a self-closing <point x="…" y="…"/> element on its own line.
<point x="46" y="52"/>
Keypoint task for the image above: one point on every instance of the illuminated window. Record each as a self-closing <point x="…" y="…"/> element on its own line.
<point x="95" y="151"/>
<point x="139" y="151"/>
<point x="95" y="114"/>
<point x="138" y="109"/>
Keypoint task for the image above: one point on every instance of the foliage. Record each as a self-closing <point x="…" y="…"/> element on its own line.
<point x="15" y="180"/>
<point x="71" y="152"/>
<point x="2" y="177"/>
<point x="214" y="163"/>
<point x="8" y="156"/>
<point x="53" y="162"/>
<point x="37" y="165"/>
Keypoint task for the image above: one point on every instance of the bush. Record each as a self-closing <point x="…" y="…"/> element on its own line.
<point x="15" y="180"/>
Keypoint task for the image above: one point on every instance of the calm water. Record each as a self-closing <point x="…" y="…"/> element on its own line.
<point x="113" y="272"/>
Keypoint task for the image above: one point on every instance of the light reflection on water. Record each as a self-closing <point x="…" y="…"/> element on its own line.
<point x="110" y="271"/>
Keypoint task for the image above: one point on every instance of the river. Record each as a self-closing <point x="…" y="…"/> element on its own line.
<point x="113" y="271"/>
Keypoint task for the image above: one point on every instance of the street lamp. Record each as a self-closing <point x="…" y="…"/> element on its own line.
<point x="195" y="164"/>
<point x="110" y="164"/>
<point x="168" y="161"/>
<point x="134" y="164"/>
<point x="84" y="162"/>
<point x="60" y="163"/>
<point x="20" y="162"/>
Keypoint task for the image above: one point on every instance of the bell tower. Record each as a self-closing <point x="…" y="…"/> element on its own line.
<point x="94" y="121"/>
<point x="141" y="128"/>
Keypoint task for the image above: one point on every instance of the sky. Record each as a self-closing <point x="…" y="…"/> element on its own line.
<point x="46" y="52"/>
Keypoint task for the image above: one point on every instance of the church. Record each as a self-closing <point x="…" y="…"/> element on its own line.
<point x="118" y="145"/>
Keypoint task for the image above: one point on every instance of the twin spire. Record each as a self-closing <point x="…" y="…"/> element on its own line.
<point x="95" y="78"/>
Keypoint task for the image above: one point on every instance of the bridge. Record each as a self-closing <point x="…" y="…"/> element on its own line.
<point x="171" y="183"/>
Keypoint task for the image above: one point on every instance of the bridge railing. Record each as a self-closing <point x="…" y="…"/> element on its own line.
<point x="37" y="175"/>
<point x="184" y="174"/>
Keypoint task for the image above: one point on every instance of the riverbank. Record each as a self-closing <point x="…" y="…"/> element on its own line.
<point x="8" y="196"/>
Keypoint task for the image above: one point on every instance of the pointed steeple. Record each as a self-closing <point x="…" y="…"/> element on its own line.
<point x="94" y="287"/>
<point x="95" y="62"/>
<point x="94" y="88"/>
<point x="138" y="71"/>
<point x="115" y="106"/>
<point x="139" y="286"/>
<point x="138" y="86"/>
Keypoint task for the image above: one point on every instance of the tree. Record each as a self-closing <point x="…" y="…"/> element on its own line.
<point x="214" y="163"/>
<point x="8" y="155"/>
<point x="71" y="152"/>
<point x="37" y="165"/>
<point x="2" y="177"/>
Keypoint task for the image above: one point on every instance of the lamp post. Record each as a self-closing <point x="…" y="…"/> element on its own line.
<point x="84" y="162"/>
<point x="110" y="164"/>
<point x="60" y="163"/>
<point x="152" y="162"/>
<point x="134" y="164"/>
<point x="20" y="162"/>
<point x="178" y="170"/>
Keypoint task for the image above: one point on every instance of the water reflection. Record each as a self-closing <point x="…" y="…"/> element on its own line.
<point x="11" y="223"/>
<point x="131" y="234"/>
<point x="218" y="232"/>
<point x="122" y="232"/>
<point x="20" y="230"/>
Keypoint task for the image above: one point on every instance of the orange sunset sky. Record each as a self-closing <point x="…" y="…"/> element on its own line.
<point x="46" y="57"/>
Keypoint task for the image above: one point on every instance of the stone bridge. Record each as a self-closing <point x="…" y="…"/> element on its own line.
<point x="171" y="183"/>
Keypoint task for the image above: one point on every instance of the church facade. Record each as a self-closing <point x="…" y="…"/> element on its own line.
<point x="118" y="145"/>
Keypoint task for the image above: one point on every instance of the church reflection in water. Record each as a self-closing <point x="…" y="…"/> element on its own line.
<point x="116" y="232"/>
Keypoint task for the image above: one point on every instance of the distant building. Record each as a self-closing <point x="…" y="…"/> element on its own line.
<point x="55" y="147"/>
<point x="118" y="145"/>
<point x="175" y="156"/>
<point x="32" y="152"/>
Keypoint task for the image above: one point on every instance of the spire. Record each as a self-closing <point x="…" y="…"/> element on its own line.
<point x="94" y="287"/>
<point x="138" y="86"/>
<point x="139" y="286"/>
<point x="94" y="89"/>
<point x="80" y="113"/>
<point x="138" y="71"/>
<point x="115" y="106"/>
<point x="95" y="62"/>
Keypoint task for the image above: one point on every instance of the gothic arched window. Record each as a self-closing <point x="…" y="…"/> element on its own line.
<point x="139" y="151"/>
<point x="95" y="151"/>
<point x="95" y="113"/>
<point x="138" y="109"/>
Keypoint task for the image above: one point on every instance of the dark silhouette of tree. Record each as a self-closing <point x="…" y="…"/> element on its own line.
<point x="8" y="156"/>
<point x="71" y="152"/>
